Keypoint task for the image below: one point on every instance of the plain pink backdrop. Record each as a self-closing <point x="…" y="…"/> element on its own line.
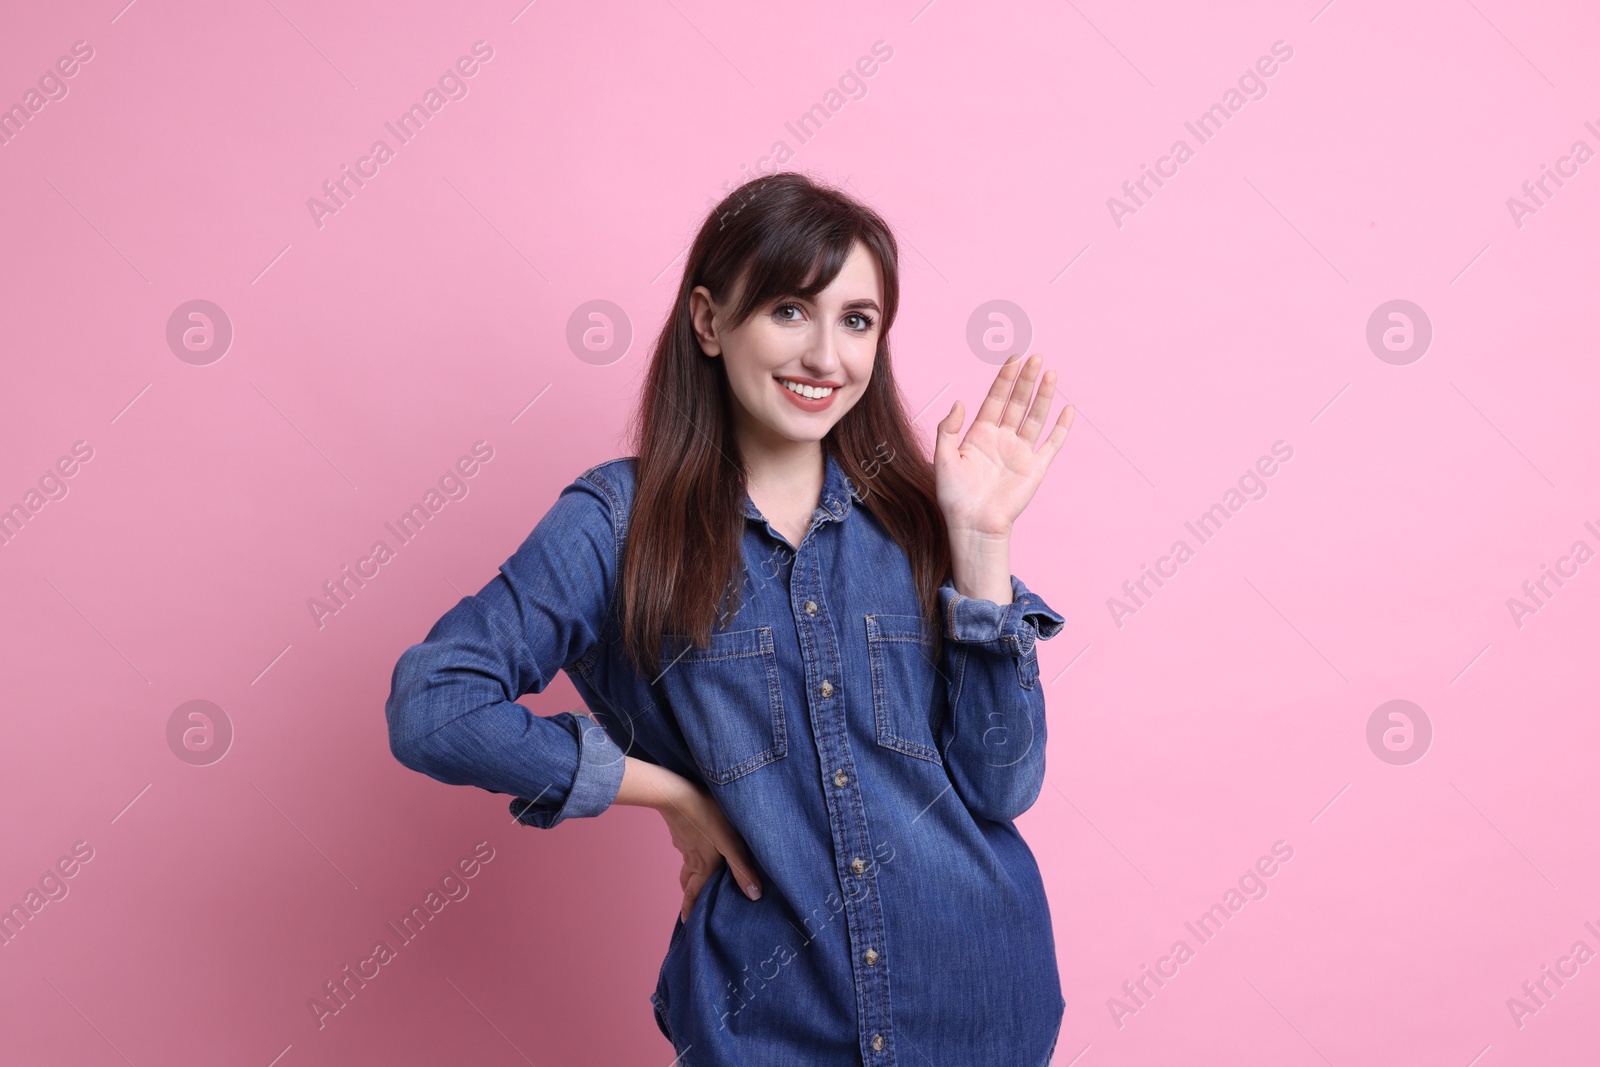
<point x="1229" y="312"/>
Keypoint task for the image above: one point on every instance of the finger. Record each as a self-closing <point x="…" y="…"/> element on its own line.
<point x="948" y="439"/>
<point x="1021" y="393"/>
<point x="1058" y="432"/>
<point x="1029" y="430"/>
<point x="995" y="402"/>
<point x="691" y="893"/>
<point x="733" y="851"/>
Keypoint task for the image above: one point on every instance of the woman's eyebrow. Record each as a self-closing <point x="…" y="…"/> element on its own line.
<point x="851" y="305"/>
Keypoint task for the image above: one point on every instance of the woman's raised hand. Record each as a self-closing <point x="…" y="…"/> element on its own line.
<point x="985" y="479"/>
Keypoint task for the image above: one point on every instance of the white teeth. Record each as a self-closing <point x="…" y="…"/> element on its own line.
<point x="813" y="392"/>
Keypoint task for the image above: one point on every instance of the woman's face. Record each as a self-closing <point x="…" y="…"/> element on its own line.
<point x="824" y="345"/>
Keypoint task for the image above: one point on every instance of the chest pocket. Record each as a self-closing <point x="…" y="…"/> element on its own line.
<point x="726" y="700"/>
<point x="908" y="692"/>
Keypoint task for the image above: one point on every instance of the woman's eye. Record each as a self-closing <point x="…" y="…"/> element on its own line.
<point x="780" y="309"/>
<point x="866" y="321"/>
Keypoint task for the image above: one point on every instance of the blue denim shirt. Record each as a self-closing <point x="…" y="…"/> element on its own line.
<point x="902" y="918"/>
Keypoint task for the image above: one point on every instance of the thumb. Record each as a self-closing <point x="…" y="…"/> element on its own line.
<point x="949" y="431"/>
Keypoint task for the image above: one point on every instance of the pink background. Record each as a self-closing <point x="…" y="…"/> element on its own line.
<point x="1228" y="313"/>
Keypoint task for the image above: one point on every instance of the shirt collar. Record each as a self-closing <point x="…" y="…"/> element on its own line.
<point x="837" y="491"/>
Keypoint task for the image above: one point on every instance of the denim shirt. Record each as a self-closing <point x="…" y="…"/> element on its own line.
<point x="902" y="918"/>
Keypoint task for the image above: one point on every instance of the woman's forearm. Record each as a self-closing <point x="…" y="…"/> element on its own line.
<point x="649" y="785"/>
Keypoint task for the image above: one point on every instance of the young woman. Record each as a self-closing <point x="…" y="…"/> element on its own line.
<point x="800" y="641"/>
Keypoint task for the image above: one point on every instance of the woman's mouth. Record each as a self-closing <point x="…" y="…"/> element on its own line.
<point x="805" y="396"/>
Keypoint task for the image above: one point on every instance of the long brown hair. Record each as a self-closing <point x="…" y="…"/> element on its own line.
<point x="683" y="567"/>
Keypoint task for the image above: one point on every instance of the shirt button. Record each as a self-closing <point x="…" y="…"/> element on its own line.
<point x="841" y="779"/>
<point x="858" y="865"/>
<point x="827" y="689"/>
<point x="811" y="607"/>
<point x="871" y="956"/>
<point x="877" y="1042"/>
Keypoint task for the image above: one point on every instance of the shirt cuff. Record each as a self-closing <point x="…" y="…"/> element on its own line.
<point x="594" y="787"/>
<point x="1012" y="627"/>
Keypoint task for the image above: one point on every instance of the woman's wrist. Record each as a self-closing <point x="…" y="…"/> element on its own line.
<point x="650" y="785"/>
<point x="980" y="564"/>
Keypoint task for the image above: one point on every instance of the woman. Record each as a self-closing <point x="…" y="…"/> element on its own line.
<point x="801" y="643"/>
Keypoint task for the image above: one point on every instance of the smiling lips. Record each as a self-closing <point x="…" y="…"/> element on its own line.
<point x="806" y="395"/>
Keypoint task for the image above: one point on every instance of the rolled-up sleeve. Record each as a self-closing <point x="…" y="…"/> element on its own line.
<point x="993" y="739"/>
<point x="452" y="710"/>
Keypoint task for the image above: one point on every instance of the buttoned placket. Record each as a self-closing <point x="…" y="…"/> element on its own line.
<point x="827" y="701"/>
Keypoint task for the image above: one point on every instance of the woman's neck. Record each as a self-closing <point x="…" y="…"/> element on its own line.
<point x="784" y="479"/>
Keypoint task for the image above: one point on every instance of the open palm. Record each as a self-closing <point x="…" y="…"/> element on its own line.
<point x="985" y="479"/>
